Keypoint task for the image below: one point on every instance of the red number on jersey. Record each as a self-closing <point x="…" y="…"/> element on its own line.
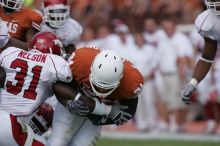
<point x="29" y="93"/>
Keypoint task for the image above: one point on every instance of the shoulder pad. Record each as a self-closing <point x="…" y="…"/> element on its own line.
<point x="204" y="21"/>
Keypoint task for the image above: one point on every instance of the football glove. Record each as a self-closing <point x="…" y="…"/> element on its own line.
<point x="187" y="92"/>
<point x="78" y="107"/>
<point x="118" y="115"/>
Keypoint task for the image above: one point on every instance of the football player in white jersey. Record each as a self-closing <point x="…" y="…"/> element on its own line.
<point x="56" y="15"/>
<point x="207" y="26"/>
<point x="17" y="134"/>
<point x="29" y="78"/>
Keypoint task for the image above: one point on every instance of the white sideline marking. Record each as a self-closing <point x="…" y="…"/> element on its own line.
<point x="160" y="136"/>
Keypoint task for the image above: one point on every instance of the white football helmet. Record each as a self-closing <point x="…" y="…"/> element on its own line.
<point x="56" y="12"/>
<point x="12" y="4"/>
<point x="214" y="6"/>
<point x="106" y="73"/>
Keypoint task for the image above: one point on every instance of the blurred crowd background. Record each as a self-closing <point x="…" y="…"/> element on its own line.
<point x="158" y="36"/>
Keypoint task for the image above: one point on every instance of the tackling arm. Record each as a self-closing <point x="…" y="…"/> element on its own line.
<point x="66" y="92"/>
<point x="12" y="42"/>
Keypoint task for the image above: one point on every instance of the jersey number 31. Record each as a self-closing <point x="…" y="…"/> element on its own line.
<point x="30" y="92"/>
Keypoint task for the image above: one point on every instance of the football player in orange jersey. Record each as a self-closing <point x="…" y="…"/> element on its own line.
<point x="108" y="94"/>
<point x="22" y="22"/>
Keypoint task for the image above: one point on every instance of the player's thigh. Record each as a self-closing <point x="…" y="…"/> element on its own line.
<point x="65" y="124"/>
<point x="6" y="132"/>
<point x="87" y="135"/>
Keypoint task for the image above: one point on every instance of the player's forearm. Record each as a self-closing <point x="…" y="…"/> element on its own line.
<point x="12" y="42"/>
<point x="201" y="70"/>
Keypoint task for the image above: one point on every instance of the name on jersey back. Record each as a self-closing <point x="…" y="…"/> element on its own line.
<point x="33" y="57"/>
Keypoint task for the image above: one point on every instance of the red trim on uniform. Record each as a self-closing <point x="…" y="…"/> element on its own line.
<point x="18" y="134"/>
<point x="8" y="55"/>
<point x="54" y="67"/>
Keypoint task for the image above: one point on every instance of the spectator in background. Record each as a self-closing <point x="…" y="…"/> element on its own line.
<point x="88" y="38"/>
<point x="171" y="64"/>
<point x="122" y="42"/>
<point x="152" y="34"/>
<point x="146" y="62"/>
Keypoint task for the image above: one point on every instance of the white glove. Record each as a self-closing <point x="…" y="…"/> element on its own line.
<point x="4" y="36"/>
<point x="187" y="92"/>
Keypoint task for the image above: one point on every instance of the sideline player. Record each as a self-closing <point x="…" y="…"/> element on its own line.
<point x="206" y="26"/>
<point x="106" y="78"/>
<point x="30" y="75"/>
<point x="17" y="134"/>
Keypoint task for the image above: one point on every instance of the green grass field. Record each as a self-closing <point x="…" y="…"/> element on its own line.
<point x="108" y="142"/>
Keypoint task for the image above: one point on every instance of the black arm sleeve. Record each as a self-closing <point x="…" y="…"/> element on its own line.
<point x="2" y="77"/>
<point x="131" y="104"/>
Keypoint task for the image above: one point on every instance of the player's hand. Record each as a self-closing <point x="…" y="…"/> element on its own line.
<point x="78" y="107"/>
<point x="118" y="115"/>
<point x="4" y="37"/>
<point x="187" y="92"/>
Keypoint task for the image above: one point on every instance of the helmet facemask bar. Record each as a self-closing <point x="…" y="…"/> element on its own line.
<point x="56" y="15"/>
<point x="213" y="6"/>
<point x="12" y="4"/>
<point x="38" y="124"/>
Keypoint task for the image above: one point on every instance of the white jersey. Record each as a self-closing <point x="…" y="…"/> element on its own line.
<point x="30" y="75"/>
<point x="207" y="25"/>
<point x="69" y="32"/>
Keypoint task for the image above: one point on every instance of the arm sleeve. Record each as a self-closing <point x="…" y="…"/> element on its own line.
<point x="2" y="77"/>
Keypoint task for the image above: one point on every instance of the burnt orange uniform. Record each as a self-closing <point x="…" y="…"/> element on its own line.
<point x="80" y="64"/>
<point x="20" y="21"/>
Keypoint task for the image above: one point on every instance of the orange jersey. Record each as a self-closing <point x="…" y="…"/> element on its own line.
<point x="19" y="21"/>
<point x="80" y="63"/>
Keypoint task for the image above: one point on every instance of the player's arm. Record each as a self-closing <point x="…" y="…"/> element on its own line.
<point x="66" y="92"/>
<point x="2" y="77"/>
<point x="30" y="33"/>
<point x="206" y="60"/>
<point x="12" y="42"/>
<point x="201" y="69"/>
<point x="68" y="95"/>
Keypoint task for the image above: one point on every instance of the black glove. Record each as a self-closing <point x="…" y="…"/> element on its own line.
<point x="187" y="92"/>
<point x="118" y="116"/>
<point x="78" y="107"/>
